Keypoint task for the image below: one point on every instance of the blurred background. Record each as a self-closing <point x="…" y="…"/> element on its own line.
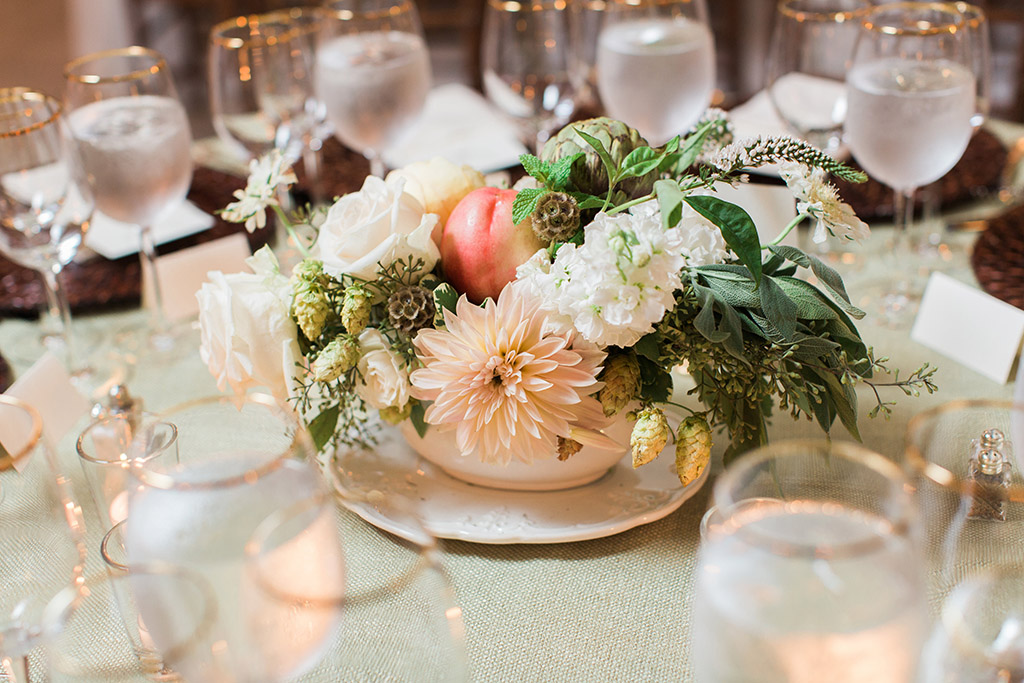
<point x="40" y="35"/>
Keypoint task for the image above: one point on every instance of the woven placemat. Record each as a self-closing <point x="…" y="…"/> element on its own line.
<point x="998" y="258"/>
<point x="976" y="175"/>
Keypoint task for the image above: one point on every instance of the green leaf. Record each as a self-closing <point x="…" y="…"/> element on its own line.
<point x="322" y="427"/>
<point x="670" y="202"/>
<point x="810" y="303"/>
<point x="737" y="228"/>
<point x="742" y="293"/>
<point x="692" y="146"/>
<point x="525" y="202"/>
<point x="844" y="402"/>
<point x="656" y="381"/>
<point x="778" y="308"/>
<point x="602" y="153"/>
<point x="649" y="346"/>
<point x="445" y="297"/>
<point x="638" y="163"/>
<point x="767" y="329"/>
<point x="535" y="167"/>
<point x="830" y="279"/>
<point x="705" y="320"/>
<point x="587" y="201"/>
<point x="810" y="348"/>
<point x="419" y="420"/>
<point x="561" y="170"/>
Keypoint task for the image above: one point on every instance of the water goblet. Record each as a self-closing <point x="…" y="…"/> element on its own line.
<point x="808" y="568"/>
<point x="261" y="84"/>
<point x="979" y="45"/>
<point x="811" y="44"/>
<point x="967" y="462"/>
<point x="134" y="141"/>
<point x="240" y="459"/>
<point x="585" y="21"/>
<point x="656" y="65"/>
<point x="43" y="212"/>
<point x="527" y="62"/>
<point x="911" y="97"/>
<point x="42" y="550"/>
<point x="372" y="73"/>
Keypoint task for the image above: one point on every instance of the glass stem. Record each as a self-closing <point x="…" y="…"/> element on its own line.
<point x="903" y="220"/>
<point x="377" y="166"/>
<point x="148" y="252"/>
<point x="14" y="669"/>
<point x="311" y="164"/>
<point x="57" y="303"/>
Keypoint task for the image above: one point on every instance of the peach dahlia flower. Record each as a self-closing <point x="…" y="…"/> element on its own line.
<point x="505" y="386"/>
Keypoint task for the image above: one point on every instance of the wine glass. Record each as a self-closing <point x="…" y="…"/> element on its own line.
<point x="585" y="21"/>
<point x="372" y="73"/>
<point x="979" y="44"/>
<point x="43" y="213"/>
<point x="967" y="459"/>
<point x="134" y="141"/>
<point x="656" y="65"/>
<point x="42" y="546"/>
<point x="810" y="566"/>
<point x="527" y="62"/>
<point x="241" y="459"/>
<point x="807" y="62"/>
<point x="911" y="96"/>
<point x="261" y="84"/>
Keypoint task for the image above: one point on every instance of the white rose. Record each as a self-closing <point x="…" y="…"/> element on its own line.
<point x="248" y="337"/>
<point x="378" y="224"/>
<point x="384" y="382"/>
<point x="439" y="185"/>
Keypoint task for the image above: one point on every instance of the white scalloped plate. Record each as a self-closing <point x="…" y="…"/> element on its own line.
<point x="622" y="499"/>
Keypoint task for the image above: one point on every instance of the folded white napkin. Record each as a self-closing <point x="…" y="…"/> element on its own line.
<point x="458" y="124"/>
<point x="113" y="239"/>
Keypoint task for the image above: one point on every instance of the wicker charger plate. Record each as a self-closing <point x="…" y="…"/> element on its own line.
<point x="998" y="258"/>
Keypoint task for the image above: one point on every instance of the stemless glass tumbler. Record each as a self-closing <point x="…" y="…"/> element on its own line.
<point x="810" y="567"/>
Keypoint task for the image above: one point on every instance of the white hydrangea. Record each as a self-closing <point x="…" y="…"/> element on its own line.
<point x="820" y="200"/>
<point x="616" y="286"/>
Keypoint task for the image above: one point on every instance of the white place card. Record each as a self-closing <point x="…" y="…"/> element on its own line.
<point x="183" y="272"/>
<point x="46" y="387"/>
<point x="113" y="239"/>
<point x="969" y="326"/>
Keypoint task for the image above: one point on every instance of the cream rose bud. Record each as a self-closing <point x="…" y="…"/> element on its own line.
<point x="439" y="185"/>
<point x="248" y="337"/>
<point x="379" y="224"/>
<point x="384" y="381"/>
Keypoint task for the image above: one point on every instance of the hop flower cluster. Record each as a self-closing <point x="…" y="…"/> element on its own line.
<point x="618" y="284"/>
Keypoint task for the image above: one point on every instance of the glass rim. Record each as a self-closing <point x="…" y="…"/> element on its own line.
<point x="532" y="5"/>
<point x="924" y="28"/>
<point x="300" y="441"/>
<point x="159" y="64"/>
<point x="282" y="17"/>
<point x="878" y="463"/>
<point x="649" y="3"/>
<point x="973" y="15"/>
<point x="936" y="473"/>
<point x="785" y="8"/>
<point x="79" y="442"/>
<point x="8" y="459"/>
<point x="344" y="14"/>
<point x="22" y="94"/>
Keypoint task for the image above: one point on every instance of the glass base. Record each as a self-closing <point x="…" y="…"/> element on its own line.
<point x="891" y="302"/>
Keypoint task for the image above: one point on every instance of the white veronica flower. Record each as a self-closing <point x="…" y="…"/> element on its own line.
<point x="266" y="174"/>
<point x="618" y="284"/>
<point x="820" y="200"/>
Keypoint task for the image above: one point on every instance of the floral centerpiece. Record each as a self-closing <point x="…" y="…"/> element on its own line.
<point x="523" y="320"/>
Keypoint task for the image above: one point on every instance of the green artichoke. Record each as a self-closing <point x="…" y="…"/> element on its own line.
<point x="588" y="174"/>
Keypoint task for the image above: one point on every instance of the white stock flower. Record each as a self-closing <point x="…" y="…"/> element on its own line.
<point x="379" y="224"/>
<point x="248" y="337"/>
<point x="820" y="200"/>
<point x="265" y="175"/>
<point x="619" y="283"/>
<point x="383" y="381"/>
<point x="703" y="242"/>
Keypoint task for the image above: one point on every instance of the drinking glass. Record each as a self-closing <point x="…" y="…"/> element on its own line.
<point x="43" y="213"/>
<point x="261" y="84"/>
<point x="967" y="460"/>
<point x="911" y="96"/>
<point x="656" y="65"/>
<point x="810" y="567"/>
<point x="808" y="57"/>
<point x="240" y="459"/>
<point x="585" y="21"/>
<point x="372" y="73"/>
<point x="527" y="62"/>
<point x="94" y="632"/>
<point x="134" y="142"/>
<point x="42" y="550"/>
<point x="979" y="44"/>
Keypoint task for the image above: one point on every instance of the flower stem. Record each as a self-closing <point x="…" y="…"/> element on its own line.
<point x="785" y="231"/>
<point x="630" y="203"/>
<point x="291" y="231"/>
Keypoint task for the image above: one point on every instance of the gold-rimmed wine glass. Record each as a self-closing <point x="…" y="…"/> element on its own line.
<point x="134" y="142"/>
<point x="43" y="211"/>
<point x="372" y="73"/>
